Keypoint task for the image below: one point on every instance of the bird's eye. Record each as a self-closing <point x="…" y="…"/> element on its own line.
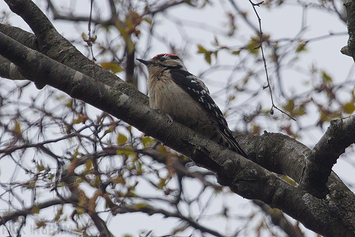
<point x="161" y="58"/>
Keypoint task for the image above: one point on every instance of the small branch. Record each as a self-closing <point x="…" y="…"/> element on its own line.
<point x="243" y="176"/>
<point x="342" y="16"/>
<point x="163" y="7"/>
<point x="29" y="211"/>
<point x="279" y="219"/>
<point x="24" y="37"/>
<point x="151" y="211"/>
<point x="55" y="46"/>
<point x="100" y="225"/>
<point x="273" y="106"/>
<point x="113" y="9"/>
<point x="340" y="135"/>
<point x="244" y="16"/>
<point x="70" y="17"/>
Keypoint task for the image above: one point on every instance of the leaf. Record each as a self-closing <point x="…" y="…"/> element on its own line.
<point x="231" y="98"/>
<point x="80" y="210"/>
<point x="180" y="229"/>
<point x="256" y="129"/>
<point x="112" y="66"/>
<point x="84" y="37"/>
<point x="30" y="184"/>
<point x="121" y="139"/>
<point x="301" y="46"/>
<point x="40" y="224"/>
<point x="78" y="120"/>
<point x="17" y="127"/>
<point x="58" y="214"/>
<point x="299" y="112"/>
<point x="88" y="164"/>
<point x="119" y="25"/>
<point x="69" y="103"/>
<point x="208" y="57"/>
<point x="201" y="49"/>
<point x="207" y="53"/>
<point x="162" y="150"/>
<point x="216" y="43"/>
<point x="124" y="30"/>
<point x="215" y="53"/>
<point x="124" y="152"/>
<point x="148" y="20"/>
<point x="119" y="180"/>
<point x="289" y="107"/>
<point x="253" y="46"/>
<point x="40" y="167"/>
<point x="139" y="168"/>
<point x="326" y="77"/>
<point x="236" y="52"/>
<point x="93" y="40"/>
<point x="35" y="209"/>
<point x="109" y="130"/>
<point x="147" y="141"/>
<point x="130" y="45"/>
<point x="161" y="183"/>
<point x="129" y="128"/>
<point x="131" y="194"/>
<point x="349" y="108"/>
<point x="140" y="206"/>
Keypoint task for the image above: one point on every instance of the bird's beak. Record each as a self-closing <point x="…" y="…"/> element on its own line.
<point x="144" y="62"/>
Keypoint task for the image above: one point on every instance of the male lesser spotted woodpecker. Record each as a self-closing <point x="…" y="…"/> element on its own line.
<point x="175" y="91"/>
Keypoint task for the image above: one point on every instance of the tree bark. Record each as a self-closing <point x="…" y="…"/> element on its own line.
<point x="54" y="61"/>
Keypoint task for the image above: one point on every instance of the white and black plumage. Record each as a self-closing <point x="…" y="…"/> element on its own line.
<point x="175" y="91"/>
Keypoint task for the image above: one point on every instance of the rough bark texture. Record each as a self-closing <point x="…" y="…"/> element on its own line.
<point x="55" y="62"/>
<point x="350" y="10"/>
<point x="55" y="46"/>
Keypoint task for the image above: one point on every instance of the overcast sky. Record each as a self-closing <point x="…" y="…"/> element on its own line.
<point x="283" y="23"/>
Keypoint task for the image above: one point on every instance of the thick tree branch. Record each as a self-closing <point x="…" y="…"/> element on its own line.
<point x="24" y="37"/>
<point x="339" y="136"/>
<point x="333" y="216"/>
<point x="243" y="176"/>
<point x="9" y="70"/>
<point x="55" y="46"/>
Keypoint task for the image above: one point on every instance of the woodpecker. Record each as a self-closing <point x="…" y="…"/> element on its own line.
<point x="180" y="94"/>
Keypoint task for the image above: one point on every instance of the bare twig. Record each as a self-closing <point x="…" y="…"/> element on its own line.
<point x="254" y="5"/>
<point x="279" y="219"/>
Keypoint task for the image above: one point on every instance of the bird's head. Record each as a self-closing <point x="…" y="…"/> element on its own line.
<point x="164" y="61"/>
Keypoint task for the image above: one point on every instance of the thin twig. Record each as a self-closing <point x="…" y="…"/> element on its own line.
<point x="91" y="38"/>
<point x="264" y="61"/>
